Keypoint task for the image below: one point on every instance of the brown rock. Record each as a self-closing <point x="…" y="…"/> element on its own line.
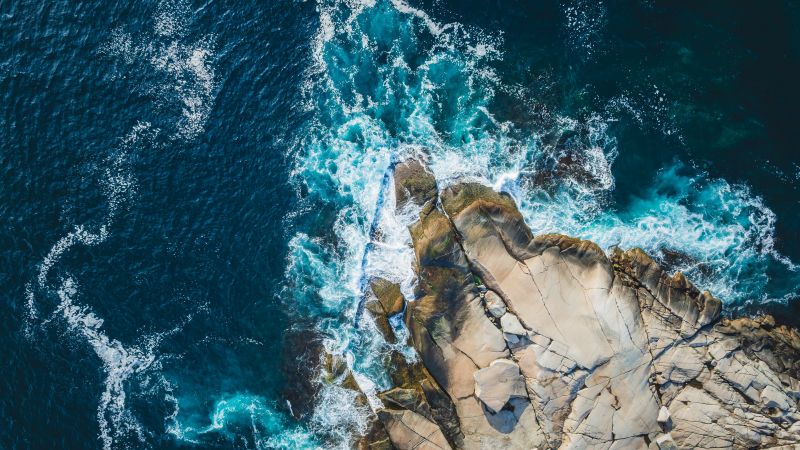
<point x="411" y="431"/>
<point x="376" y="437"/>
<point x="605" y="351"/>
<point x="388" y="295"/>
<point x="413" y="182"/>
<point x="381" y="320"/>
<point x="416" y="377"/>
<point x="388" y="301"/>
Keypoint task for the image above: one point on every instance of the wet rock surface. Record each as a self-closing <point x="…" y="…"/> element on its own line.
<point x="548" y="342"/>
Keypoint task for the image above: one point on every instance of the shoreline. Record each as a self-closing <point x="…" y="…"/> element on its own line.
<point x="493" y="371"/>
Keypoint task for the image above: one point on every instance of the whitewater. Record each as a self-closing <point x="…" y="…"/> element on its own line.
<point x="386" y="81"/>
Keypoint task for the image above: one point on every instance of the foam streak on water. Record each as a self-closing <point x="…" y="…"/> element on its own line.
<point x="120" y="363"/>
<point x="192" y="79"/>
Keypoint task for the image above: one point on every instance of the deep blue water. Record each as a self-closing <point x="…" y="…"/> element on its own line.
<point x="189" y="188"/>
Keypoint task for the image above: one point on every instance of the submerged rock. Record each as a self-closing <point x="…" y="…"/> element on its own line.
<point x="563" y="346"/>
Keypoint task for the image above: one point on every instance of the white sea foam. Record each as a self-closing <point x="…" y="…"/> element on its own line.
<point x="268" y="426"/>
<point x="171" y="18"/>
<point x="434" y="28"/>
<point x="184" y="75"/>
<point x="120" y="363"/>
<point x="117" y="184"/>
<point x="585" y="21"/>
<point x="430" y="97"/>
<point x="723" y="229"/>
<point x="336" y="420"/>
<point x="192" y="78"/>
<point x="347" y="163"/>
<point x="649" y="107"/>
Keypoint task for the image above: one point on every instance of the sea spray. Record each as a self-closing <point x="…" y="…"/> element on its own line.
<point x="388" y="81"/>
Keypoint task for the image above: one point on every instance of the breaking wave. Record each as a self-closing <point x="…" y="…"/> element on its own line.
<point x="388" y="81"/>
<point x="719" y="234"/>
<point x="266" y="426"/>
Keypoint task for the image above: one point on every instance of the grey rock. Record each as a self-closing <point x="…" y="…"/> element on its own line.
<point x="494" y="304"/>
<point x="665" y="442"/>
<point x="513" y="331"/>
<point x="498" y="383"/>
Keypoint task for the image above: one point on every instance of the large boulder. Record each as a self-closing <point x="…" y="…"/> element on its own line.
<point x="454" y="336"/>
<point x="497" y="384"/>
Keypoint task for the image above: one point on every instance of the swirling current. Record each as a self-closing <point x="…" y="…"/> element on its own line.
<point x="196" y="193"/>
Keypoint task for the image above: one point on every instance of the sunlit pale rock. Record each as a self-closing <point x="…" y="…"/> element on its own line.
<point x="549" y="342"/>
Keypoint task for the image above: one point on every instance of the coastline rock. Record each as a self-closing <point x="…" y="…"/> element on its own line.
<point x="415" y="386"/>
<point x="409" y="430"/>
<point x="494" y="304"/>
<point x="497" y="384"/>
<point x="414" y="183"/>
<point x="388" y="295"/>
<point x="548" y="342"/>
<point x="388" y="301"/>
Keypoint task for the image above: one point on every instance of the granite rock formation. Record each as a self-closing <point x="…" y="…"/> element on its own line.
<point x="548" y="342"/>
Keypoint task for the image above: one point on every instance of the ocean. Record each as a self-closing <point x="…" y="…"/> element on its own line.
<point x="191" y="190"/>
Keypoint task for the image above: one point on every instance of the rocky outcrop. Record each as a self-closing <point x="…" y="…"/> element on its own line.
<point x="548" y="342"/>
<point x="388" y="301"/>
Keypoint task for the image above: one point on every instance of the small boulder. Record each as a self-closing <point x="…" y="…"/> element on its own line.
<point x="665" y="442"/>
<point x="664" y="419"/>
<point x="494" y="304"/>
<point x="497" y="384"/>
<point x="513" y="330"/>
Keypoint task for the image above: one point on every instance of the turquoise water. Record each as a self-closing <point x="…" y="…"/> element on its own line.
<point x="197" y="193"/>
